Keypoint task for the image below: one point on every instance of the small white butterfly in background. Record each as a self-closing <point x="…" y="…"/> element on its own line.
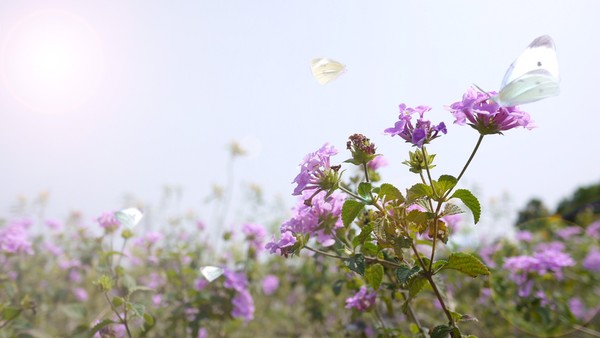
<point x="326" y="70"/>
<point x="211" y="272"/>
<point x="532" y="76"/>
<point x="129" y="217"/>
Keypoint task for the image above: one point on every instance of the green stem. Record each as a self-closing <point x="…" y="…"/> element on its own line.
<point x="438" y="295"/>
<point x="124" y="321"/>
<point x="470" y="158"/>
<point x="352" y="194"/>
<point x="368" y="259"/>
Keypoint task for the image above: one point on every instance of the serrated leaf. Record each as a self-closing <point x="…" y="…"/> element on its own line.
<point x="357" y="264"/>
<point x="404" y="242"/>
<point x="138" y="309"/>
<point x="374" y="275"/>
<point x="451" y="209"/>
<point x="467" y="264"/>
<point x="446" y="182"/>
<point x="337" y="286"/>
<point x="470" y="201"/>
<point x="441" y="331"/>
<point x="365" y="233"/>
<point x="369" y="249"/>
<point x="364" y="190"/>
<point x="350" y="210"/>
<point x="419" y="190"/>
<point x="405" y="273"/>
<point x="415" y="285"/>
<point x="438" y="265"/>
<point x="390" y="193"/>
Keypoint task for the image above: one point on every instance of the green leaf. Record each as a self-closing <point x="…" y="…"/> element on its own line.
<point x="404" y="242"/>
<point x="138" y="309"/>
<point x="365" y="233"/>
<point x="438" y="265"/>
<point x="350" y="210"/>
<point x="100" y="326"/>
<point x="470" y="201"/>
<point x="364" y="190"/>
<point x="390" y="193"/>
<point x="405" y="273"/>
<point x="337" y="286"/>
<point x="74" y="310"/>
<point x="374" y="275"/>
<point x="415" y="285"/>
<point x="357" y="264"/>
<point x="140" y="288"/>
<point x="445" y="183"/>
<point x="467" y="264"/>
<point x="149" y="322"/>
<point x="10" y="313"/>
<point x="441" y="331"/>
<point x="451" y="209"/>
<point x="419" y="190"/>
<point x="369" y="249"/>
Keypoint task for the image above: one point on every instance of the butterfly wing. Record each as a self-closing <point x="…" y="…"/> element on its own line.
<point x="129" y="217"/>
<point x="211" y="272"/>
<point x="326" y="70"/>
<point x="540" y="54"/>
<point x="530" y="87"/>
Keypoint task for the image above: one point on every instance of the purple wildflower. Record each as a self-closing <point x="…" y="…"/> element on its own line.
<point x="592" y="261"/>
<point x="235" y="280"/>
<point x="524" y="236"/>
<point x="13" y="238"/>
<point x="577" y="308"/>
<point x="362" y="300"/>
<point x="316" y="171"/>
<point x="320" y="219"/>
<point x="485" y="115"/>
<point x="255" y="234"/>
<point x="108" y="221"/>
<point x="568" y="232"/>
<point x="593" y="230"/>
<point x="202" y="333"/>
<point x="284" y="245"/>
<point x="80" y="294"/>
<point x="153" y="236"/>
<point x="243" y="306"/>
<point x="421" y="133"/>
<point x="378" y="162"/>
<point x="270" y="284"/>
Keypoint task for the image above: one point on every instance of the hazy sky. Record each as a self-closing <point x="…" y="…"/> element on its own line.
<point x="158" y="89"/>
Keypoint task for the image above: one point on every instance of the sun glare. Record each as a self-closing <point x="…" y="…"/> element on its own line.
<point x="51" y="61"/>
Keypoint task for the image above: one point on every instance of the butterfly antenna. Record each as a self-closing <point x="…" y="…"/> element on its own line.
<point x="485" y="93"/>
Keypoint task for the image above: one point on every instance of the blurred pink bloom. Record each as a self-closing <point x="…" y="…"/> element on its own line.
<point x="75" y="276"/>
<point x="593" y="230"/>
<point x="202" y="333"/>
<point x="568" y="232"/>
<point x="108" y="221"/>
<point x="524" y="236"/>
<point x="53" y="249"/>
<point x="14" y="238"/>
<point x="53" y="224"/>
<point x="153" y="236"/>
<point x="243" y="306"/>
<point x="200" y="225"/>
<point x="378" y="162"/>
<point x="255" y="235"/>
<point x="270" y="284"/>
<point x="157" y="299"/>
<point x="592" y="260"/>
<point x="80" y="294"/>
<point x="200" y="283"/>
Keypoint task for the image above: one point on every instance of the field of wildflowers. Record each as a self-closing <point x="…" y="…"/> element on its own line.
<point x="357" y="258"/>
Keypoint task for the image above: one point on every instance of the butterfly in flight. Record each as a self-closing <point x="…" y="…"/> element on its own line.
<point x="326" y="70"/>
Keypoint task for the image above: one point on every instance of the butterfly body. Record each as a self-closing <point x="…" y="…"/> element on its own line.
<point x="532" y="76"/>
<point x="129" y="217"/>
<point x="325" y="70"/>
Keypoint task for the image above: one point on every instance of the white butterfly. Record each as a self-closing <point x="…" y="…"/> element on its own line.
<point x="326" y="70"/>
<point x="532" y="76"/>
<point x="129" y="217"/>
<point x="211" y="272"/>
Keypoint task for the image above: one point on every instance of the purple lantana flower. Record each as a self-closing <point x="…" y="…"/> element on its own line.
<point x="316" y="171"/>
<point x="284" y="245"/>
<point x="481" y="112"/>
<point x="422" y="132"/>
<point x="362" y="300"/>
<point x="14" y="238"/>
<point x="592" y="261"/>
<point x="255" y="234"/>
<point x="108" y="221"/>
<point x="270" y="284"/>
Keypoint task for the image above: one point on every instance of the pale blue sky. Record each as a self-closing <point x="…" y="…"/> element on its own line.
<point x="182" y="79"/>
